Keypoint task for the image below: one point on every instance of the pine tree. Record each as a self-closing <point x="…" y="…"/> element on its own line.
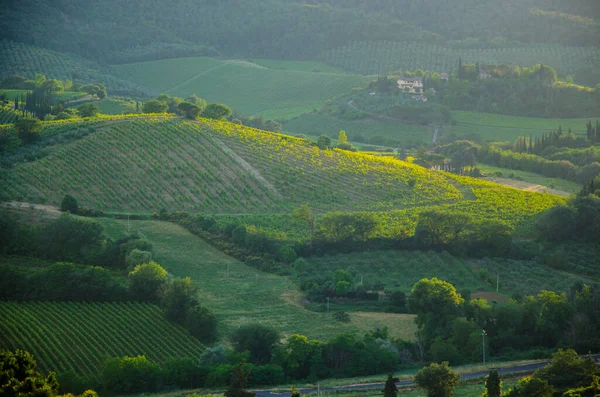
<point x="461" y="71"/>
<point x="590" y="131"/>
<point x="390" y="389"/>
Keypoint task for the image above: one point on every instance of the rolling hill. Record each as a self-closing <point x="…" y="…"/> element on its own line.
<point x="144" y="165"/>
<point x="28" y="60"/>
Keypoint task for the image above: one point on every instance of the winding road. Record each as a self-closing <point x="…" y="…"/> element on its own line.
<point x="370" y="386"/>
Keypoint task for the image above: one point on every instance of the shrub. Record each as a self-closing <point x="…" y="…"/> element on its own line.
<point x="342" y="317"/>
<point x="154" y="106"/>
<point x="88" y="110"/>
<point x="69" y="203"/>
<point x="146" y="281"/>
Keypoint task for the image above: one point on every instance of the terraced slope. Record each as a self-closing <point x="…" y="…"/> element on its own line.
<point x="73" y="336"/>
<point x="145" y="165"/>
<point x="247" y="87"/>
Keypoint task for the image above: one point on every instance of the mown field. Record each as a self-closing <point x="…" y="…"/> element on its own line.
<point x="274" y="89"/>
<point x="239" y="294"/>
<point x="378" y="57"/>
<point x="144" y="165"/>
<point x="74" y="336"/>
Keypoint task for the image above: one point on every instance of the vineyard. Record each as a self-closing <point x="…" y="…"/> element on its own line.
<point x="246" y="87"/>
<point x="378" y="57"/>
<point x="400" y="270"/>
<point x="8" y="115"/>
<point x="144" y="165"/>
<point x="484" y="200"/>
<point x="68" y="336"/>
<point x="27" y="60"/>
<point x="528" y="277"/>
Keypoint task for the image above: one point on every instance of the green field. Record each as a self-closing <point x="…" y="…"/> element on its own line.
<point x="112" y="106"/>
<point x="239" y="294"/>
<point x="500" y="128"/>
<point x="530" y="177"/>
<point x="300" y="66"/>
<point x="249" y="88"/>
<point x="315" y="124"/>
<point x="70" y="336"/>
<point x="378" y="57"/>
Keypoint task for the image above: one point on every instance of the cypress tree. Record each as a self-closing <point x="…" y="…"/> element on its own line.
<point x="390" y="389"/>
<point x="493" y="385"/>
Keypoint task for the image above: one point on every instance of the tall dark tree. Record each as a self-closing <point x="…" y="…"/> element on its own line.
<point x="390" y="389"/>
<point x="493" y="385"/>
<point x="239" y="381"/>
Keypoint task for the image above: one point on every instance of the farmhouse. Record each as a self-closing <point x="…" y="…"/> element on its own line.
<point x="411" y="85"/>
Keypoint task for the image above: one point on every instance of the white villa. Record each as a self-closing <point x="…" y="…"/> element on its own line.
<point x="411" y="85"/>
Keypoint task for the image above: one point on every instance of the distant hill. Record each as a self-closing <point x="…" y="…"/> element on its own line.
<point x="114" y="31"/>
<point x="28" y="60"/>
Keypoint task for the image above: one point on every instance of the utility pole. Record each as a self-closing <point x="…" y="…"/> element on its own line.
<point x="483" y="334"/>
<point x="497" y="281"/>
<point x="128" y="226"/>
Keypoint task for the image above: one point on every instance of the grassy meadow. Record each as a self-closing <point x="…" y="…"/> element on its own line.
<point x="274" y="89"/>
<point x="239" y="294"/>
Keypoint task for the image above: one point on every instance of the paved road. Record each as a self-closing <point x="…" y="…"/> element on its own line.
<point x="371" y="386"/>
